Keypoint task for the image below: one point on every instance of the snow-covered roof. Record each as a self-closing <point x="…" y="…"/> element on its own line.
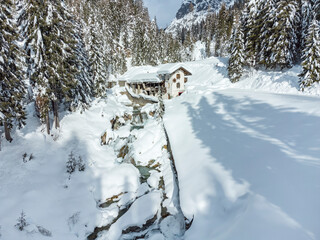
<point x="170" y="68"/>
<point x="144" y="77"/>
<point x="136" y="71"/>
<point x="150" y="73"/>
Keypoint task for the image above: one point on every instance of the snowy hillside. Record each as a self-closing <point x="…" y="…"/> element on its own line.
<point x="247" y="157"/>
<point x="189" y="6"/>
<point x="100" y="177"/>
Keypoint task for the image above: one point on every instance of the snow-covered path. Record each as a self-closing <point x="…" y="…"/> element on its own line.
<point x="248" y="161"/>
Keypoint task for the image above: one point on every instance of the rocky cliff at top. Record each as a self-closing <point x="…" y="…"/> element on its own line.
<point x="193" y="11"/>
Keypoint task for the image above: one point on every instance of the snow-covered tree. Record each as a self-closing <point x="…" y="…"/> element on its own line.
<point x="21" y="222"/>
<point x="12" y="87"/>
<point x="49" y="33"/>
<point x="84" y="89"/>
<point x="306" y="18"/>
<point x="97" y="51"/>
<point x="138" y="43"/>
<point x="252" y="33"/>
<point x="266" y="35"/>
<point x="237" y="59"/>
<point x="316" y="9"/>
<point x="153" y="44"/>
<point x="311" y="57"/>
<point x="284" y="38"/>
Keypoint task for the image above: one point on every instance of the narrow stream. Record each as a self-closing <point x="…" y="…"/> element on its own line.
<point x="164" y="220"/>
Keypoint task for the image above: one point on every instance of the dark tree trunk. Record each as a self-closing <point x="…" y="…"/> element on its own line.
<point x="7" y="131"/>
<point x="56" y="114"/>
<point x="48" y="123"/>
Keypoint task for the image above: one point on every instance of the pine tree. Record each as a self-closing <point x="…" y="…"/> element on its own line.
<point x="311" y="57"/>
<point x="97" y="56"/>
<point x="62" y="55"/>
<point x="255" y="20"/>
<point x="48" y="30"/>
<point x="84" y="90"/>
<point x="267" y="34"/>
<point x="138" y="47"/>
<point x="237" y="59"/>
<point x="12" y="88"/>
<point x="32" y="21"/>
<point x="220" y="34"/>
<point x="316" y="9"/>
<point x="285" y="40"/>
<point x="306" y="18"/>
<point x="21" y="222"/>
<point x="153" y="51"/>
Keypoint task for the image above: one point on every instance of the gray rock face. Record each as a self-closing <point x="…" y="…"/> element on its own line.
<point x="200" y="5"/>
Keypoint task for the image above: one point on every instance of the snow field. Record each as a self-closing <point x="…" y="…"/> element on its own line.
<point x="247" y="155"/>
<point x="70" y="208"/>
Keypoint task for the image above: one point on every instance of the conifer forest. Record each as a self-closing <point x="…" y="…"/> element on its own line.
<point x="60" y="54"/>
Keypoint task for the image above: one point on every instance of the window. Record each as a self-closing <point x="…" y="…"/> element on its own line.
<point x="174" y="80"/>
<point x="185" y="80"/>
<point x="178" y="85"/>
<point x="178" y="76"/>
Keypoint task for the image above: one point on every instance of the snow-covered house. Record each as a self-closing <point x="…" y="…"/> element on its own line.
<point x="174" y="77"/>
<point x="169" y="79"/>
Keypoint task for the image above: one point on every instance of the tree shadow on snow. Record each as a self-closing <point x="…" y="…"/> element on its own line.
<point x="275" y="149"/>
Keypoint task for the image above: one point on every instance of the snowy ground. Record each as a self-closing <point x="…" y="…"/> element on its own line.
<point x="247" y="155"/>
<point x="62" y="206"/>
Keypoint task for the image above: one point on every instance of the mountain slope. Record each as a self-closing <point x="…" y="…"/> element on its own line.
<point x="196" y="6"/>
<point x="193" y="11"/>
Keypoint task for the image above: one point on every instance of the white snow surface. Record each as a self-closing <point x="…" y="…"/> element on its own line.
<point x="69" y="208"/>
<point x="247" y="154"/>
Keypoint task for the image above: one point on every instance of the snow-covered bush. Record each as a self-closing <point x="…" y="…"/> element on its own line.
<point x="25" y="157"/>
<point x="81" y="164"/>
<point x="71" y="163"/>
<point x="22" y="222"/>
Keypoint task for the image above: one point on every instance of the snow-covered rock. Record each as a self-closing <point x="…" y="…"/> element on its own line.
<point x="194" y="11"/>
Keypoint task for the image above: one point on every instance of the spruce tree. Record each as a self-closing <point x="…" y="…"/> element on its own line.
<point x="138" y="47"/>
<point x="48" y="30"/>
<point x="311" y="58"/>
<point x="153" y="51"/>
<point x="285" y="39"/>
<point x="62" y="55"/>
<point x="12" y="88"/>
<point x="306" y="18"/>
<point x="255" y="27"/>
<point x="267" y="37"/>
<point x="316" y="9"/>
<point x="237" y="59"/>
<point x="84" y="90"/>
<point x="97" y="51"/>
<point x="32" y="21"/>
